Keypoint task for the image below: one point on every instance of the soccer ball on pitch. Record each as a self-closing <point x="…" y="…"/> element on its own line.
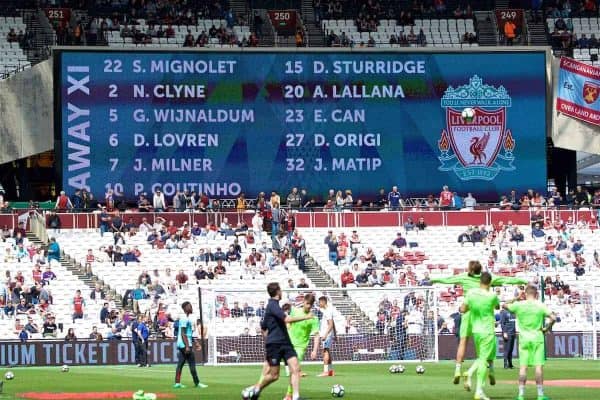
<point x="468" y="114"/>
<point x="65" y="368"/>
<point x="248" y="393"/>
<point x="393" y="369"/>
<point x="338" y="391"/>
<point x="420" y="369"/>
<point x="400" y="369"/>
<point x="9" y="375"/>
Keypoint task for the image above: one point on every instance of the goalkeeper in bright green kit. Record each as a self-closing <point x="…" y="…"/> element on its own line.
<point x="300" y="333"/>
<point x="468" y="281"/>
<point x="531" y="315"/>
<point x="481" y="303"/>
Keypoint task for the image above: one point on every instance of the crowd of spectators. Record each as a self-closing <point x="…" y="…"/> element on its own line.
<point x="367" y="13"/>
<point x="300" y="199"/>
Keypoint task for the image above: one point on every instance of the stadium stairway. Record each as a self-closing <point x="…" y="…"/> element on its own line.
<point x="239" y="7"/>
<point x="487" y="32"/>
<point x="43" y="35"/>
<point x="343" y="304"/>
<point x="88" y="281"/>
<point x="314" y="33"/>
<point x="537" y="31"/>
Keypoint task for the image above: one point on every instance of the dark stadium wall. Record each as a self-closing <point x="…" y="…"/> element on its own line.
<point x="562" y="167"/>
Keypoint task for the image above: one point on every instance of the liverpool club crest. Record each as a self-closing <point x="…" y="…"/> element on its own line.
<point x="471" y="144"/>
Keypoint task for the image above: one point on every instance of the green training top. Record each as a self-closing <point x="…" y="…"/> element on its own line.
<point x="300" y="332"/>
<point x="482" y="304"/>
<point x="469" y="282"/>
<point x="530" y="316"/>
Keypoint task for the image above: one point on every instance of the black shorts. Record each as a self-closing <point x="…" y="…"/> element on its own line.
<point x="277" y="352"/>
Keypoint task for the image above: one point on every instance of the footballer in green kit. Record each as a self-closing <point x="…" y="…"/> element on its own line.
<point x="481" y="303"/>
<point x="469" y="281"/>
<point x="531" y="317"/>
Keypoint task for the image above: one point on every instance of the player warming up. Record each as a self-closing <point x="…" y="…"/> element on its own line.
<point x="482" y="303"/>
<point x="185" y="352"/>
<point x="469" y="281"/>
<point x="327" y="334"/>
<point x="300" y="333"/>
<point x="278" y="346"/>
<point x="531" y="315"/>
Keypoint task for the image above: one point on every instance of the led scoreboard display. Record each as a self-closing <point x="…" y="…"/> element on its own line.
<point x="223" y="123"/>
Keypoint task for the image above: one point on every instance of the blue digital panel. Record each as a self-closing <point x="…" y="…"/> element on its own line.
<point x="229" y="122"/>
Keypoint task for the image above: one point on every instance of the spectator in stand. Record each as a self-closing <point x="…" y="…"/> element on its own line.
<point x="12" y="36"/>
<point x="421" y="225"/>
<point x="236" y="311"/>
<point x="394" y="199"/>
<point x="509" y="32"/>
<point x="70" y="337"/>
<point x="63" y="202"/>
<point x="399" y="242"/>
<point x="469" y="202"/>
<point x="537" y="232"/>
<point x="346" y="277"/>
<point x="78" y="303"/>
<point x="50" y="329"/>
<point x="578" y="247"/>
<point x="53" y="252"/>
<point x="158" y="201"/>
<point x="446" y="199"/>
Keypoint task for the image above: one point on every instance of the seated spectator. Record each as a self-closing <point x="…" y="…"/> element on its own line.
<point x="70" y="337"/>
<point x="409" y="225"/>
<point x="578" y="247"/>
<point x="517" y="236"/>
<point x="23" y="308"/>
<point x="583" y="42"/>
<point x="421" y="225"/>
<point x="346" y="277"/>
<point x="189" y="39"/>
<point x="50" y="329"/>
<point x="236" y="311"/>
<point x="95" y="335"/>
<point x="399" y="242"/>
<point x="31" y="326"/>
<point x="12" y="36"/>
<point x="219" y="269"/>
<point x="421" y="39"/>
<point x="537" y="232"/>
<point x="302" y="284"/>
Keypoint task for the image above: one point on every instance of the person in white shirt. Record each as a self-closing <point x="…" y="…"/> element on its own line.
<point x="144" y="227"/>
<point x="158" y="201"/>
<point x="326" y="334"/>
<point x="257" y="224"/>
<point x="171" y="243"/>
<point x="414" y="330"/>
<point x="470" y="202"/>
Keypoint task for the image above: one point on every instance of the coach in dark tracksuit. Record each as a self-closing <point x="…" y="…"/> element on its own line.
<point x="509" y="331"/>
<point x="143" y="334"/>
<point x="136" y="341"/>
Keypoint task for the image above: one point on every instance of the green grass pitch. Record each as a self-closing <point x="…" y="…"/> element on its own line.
<point x="368" y="381"/>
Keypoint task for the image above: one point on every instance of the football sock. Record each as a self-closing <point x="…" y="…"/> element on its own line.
<point x="521" y="390"/>
<point x="287" y="370"/>
<point x="261" y="379"/>
<point x="481" y="374"/>
<point x="289" y="391"/>
<point x="458" y="368"/>
<point x="472" y="369"/>
<point x="325" y="367"/>
<point x="540" y="389"/>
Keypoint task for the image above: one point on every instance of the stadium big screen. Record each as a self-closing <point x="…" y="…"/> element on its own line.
<point x="248" y="121"/>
